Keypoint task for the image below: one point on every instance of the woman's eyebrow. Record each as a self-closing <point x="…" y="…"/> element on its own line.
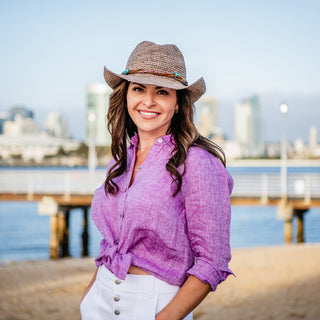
<point x="139" y="84"/>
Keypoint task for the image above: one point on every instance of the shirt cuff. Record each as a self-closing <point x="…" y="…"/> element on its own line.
<point x="209" y="274"/>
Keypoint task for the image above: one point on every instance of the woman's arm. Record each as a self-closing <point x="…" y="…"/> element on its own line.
<point x="90" y="284"/>
<point x="206" y="190"/>
<point x="189" y="296"/>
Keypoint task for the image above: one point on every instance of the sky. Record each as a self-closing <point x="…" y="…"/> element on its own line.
<point x="51" y="50"/>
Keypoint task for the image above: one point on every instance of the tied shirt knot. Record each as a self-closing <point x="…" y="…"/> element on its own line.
<point x="112" y="258"/>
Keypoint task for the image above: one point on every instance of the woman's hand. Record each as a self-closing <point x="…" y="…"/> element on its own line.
<point x="189" y="296"/>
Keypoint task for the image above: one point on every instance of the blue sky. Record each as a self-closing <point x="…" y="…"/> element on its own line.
<point x="50" y="51"/>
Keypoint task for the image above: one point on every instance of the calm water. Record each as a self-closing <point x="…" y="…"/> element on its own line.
<point x="24" y="235"/>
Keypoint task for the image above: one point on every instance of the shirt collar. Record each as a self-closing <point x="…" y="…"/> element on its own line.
<point x="134" y="141"/>
<point x="167" y="139"/>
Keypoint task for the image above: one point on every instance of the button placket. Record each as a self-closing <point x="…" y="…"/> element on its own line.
<point x="116" y="298"/>
<point x="122" y="210"/>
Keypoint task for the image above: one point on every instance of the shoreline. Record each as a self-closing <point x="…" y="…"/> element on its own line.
<point x="280" y="282"/>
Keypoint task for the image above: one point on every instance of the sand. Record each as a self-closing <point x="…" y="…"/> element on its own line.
<point x="272" y="283"/>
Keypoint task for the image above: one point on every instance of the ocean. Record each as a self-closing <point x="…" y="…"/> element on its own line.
<point x="24" y="234"/>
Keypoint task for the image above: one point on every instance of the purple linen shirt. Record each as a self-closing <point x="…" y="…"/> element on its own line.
<point x="169" y="237"/>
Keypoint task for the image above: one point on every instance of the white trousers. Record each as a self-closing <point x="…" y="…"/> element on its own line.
<point x="138" y="297"/>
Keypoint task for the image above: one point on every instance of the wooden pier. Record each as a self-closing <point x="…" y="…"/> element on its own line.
<point x="59" y="207"/>
<point x="58" y="192"/>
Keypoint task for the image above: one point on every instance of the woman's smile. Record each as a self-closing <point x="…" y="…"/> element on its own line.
<point x="148" y="114"/>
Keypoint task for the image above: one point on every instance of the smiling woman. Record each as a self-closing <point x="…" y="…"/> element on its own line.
<point x="164" y="209"/>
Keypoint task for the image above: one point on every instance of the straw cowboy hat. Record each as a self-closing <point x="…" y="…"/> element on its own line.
<point x="158" y="65"/>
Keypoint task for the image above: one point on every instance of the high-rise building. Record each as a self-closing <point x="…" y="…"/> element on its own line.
<point x="20" y="126"/>
<point x="56" y="125"/>
<point x="3" y="119"/>
<point x="20" y="111"/>
<point x="313" y="137"/>
<point x="97" y="108"/>
<point x="18" y="121"/>
<point x="248" y="127"/>
<point x="207" y="115"/>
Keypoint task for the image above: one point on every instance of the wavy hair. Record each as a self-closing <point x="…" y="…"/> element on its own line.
<point x="184" y="131"/>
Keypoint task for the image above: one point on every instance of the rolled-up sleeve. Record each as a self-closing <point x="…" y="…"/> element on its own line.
<point x="206" y="189"/>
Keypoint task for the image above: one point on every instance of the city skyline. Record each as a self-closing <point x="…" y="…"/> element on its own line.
<point x="22" y="139"/>
<point x="53" y="50"/>
<point x="99" y="92"/>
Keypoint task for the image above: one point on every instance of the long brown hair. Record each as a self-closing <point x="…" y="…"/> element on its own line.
<point x="185" y="134"/>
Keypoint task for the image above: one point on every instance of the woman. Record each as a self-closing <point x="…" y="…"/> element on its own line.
<point x="164" y="209"/>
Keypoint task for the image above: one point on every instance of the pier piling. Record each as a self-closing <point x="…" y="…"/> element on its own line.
<point x="54" y="243"/>
<point x="299" y="213"/>
<point x="85" y="234"/>
<point x="60" y="232"/>
<point x="288" y="231"/>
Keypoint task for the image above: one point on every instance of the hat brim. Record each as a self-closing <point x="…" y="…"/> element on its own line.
<point x="196" y="90"/>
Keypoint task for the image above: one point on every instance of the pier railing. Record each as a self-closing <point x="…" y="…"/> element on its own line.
<point x="66" y="182"/>
<point x="28" y="182"/>
<point x="268" y="185"/>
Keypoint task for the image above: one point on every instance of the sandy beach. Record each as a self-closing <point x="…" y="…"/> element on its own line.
<point x="272" y="283"/>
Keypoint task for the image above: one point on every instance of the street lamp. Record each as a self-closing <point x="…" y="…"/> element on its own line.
<point x="92" y="151"/>
<point x="285" y="210"/>
<point x="284" y="110"/>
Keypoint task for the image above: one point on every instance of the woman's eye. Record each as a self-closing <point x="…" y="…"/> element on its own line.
<point x="137" y="89"/>
<point x="163" y="92"/>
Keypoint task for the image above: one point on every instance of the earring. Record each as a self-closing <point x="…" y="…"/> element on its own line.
<point x="176" y="110"/>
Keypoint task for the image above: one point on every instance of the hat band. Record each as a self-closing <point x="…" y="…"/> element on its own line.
<point x="175" y="76"/>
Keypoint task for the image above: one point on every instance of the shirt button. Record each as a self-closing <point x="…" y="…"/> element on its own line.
<point x="120" y="216"/>
<point x="116" y="298"/>
<point x="117" y="281"/>
<point x="116" y="312"/>
<point x="160" y="140"/>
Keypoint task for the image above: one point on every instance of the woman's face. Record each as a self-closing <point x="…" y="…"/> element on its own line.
<point x="151" y="108"/>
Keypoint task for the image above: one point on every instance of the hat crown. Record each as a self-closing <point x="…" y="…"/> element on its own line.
<point x="165" y="58"/>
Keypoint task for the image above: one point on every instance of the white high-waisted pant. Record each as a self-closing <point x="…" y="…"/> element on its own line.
<point x="138" y="297"/>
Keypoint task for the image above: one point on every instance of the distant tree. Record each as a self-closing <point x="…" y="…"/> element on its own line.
<point x="16" y="159"/>
<point x="103" y="151"/>
<point x="61" y="152"/>
<point x="82" y="150"/>
<point x="17" y="156"/>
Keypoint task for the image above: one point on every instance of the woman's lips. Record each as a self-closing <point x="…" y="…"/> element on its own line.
<point x="148" y="114"/>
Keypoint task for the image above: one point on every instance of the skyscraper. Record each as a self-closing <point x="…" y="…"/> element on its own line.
<point x="249" y="127"/>
<point x="313" y="137"/>
<point x="3" y="119"/>
<point x="56" y="125"/>
<point x="207" y="114"/>
<point x="21" y="111"/>
<point x="97" y="108"/>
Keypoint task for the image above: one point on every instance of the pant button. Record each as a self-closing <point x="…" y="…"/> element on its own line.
<point x="116" y="298"/>
<point x="116" y="312"/>
<point x="117" y="281"/>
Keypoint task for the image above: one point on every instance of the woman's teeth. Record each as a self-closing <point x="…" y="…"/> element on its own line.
<point x="148" y="113"/>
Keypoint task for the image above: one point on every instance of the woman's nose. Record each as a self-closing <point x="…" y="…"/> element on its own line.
<point x="148" y="100"/>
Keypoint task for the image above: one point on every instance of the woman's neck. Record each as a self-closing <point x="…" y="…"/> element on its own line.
<point x="147" y="141"/>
